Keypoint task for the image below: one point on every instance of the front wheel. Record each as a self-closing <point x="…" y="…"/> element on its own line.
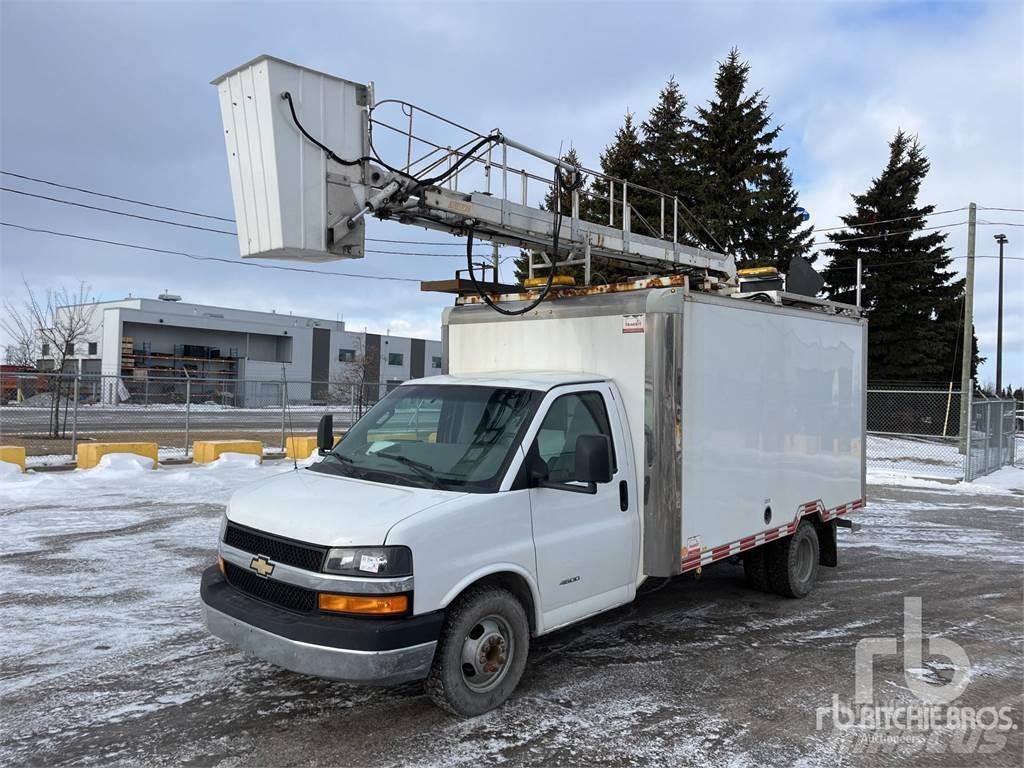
<point x="481" y="654"/>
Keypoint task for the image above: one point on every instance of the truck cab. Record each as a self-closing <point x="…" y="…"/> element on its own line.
<point x="458" y="517"/>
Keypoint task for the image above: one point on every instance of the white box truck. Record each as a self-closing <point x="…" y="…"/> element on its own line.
<point x="610" y="435"/>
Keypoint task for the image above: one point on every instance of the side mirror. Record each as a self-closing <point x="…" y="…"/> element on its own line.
<point x="593" y="459"/>
<point x="325" y="434"/>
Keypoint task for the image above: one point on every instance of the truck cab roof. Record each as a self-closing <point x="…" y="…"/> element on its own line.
<point x="537" y="380"/>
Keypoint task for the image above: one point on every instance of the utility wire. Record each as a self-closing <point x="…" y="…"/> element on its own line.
<point x="197" y="257"/>
<point x="115" y="197"/>
<point x="119" y="213"/>
<point x="989" y="208"/>
<point x="170" y="208"/>
<point x="887" y="234"/>
<point x="884" y="264"/>
<point x="888" y="221"/>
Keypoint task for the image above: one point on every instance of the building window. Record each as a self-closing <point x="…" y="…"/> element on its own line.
<point x="435" y="362"/>
<point x="69" y="348"/>
<point x="46" y="350"/>
<point x="92" y="347"/>
<point x="396" y="358"/>
<point x="346" y="355"/>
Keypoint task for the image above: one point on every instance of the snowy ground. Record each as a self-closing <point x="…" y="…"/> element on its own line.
<point x="105" y="659"/>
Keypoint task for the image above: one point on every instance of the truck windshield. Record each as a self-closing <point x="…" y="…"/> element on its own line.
<point x="455" y="437"/>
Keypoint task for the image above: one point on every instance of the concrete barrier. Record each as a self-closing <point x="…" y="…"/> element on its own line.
<point x="206" y="451"/>
<point x="300" y="447"/>
<point x="89" y="454"/>
<point x="13" y="454"/>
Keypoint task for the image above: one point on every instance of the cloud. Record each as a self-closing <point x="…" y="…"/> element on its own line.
<point x="118" y="100"/>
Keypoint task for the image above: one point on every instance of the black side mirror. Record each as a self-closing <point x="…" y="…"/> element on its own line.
<point x="593" y="459"/>
<point x="325" y="434"/>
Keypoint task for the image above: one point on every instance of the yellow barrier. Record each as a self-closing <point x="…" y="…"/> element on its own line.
<point x="89" y="454"/>
<point x="13" y="454"/>
<point x="300" y="447"/>
<point x="206" y="451"/>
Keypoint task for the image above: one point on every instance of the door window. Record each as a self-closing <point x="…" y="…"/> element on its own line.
<point x="572" y="415"/>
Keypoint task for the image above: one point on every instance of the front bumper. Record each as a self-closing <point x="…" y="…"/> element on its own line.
<point x="355" y="650"/>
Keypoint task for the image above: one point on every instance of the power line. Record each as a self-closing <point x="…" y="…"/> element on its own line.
<point x="115" y="197"/>
<point x="197" y="257"/>
<point x="119" y="213"/>
<point x="889" y="221"/>
<point x="887" y="234"/>
<point x="989" y="208"/>
<point x="872" y="267"/>
<point x="170" y="208"/>
<point x="1001" y="223"/>
<point x="220" y="231"/>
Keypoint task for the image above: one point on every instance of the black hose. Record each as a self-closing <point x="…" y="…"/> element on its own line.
<point x="551" y="270"/>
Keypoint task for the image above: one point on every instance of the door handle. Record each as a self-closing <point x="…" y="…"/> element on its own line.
<point x="623" y="495"/>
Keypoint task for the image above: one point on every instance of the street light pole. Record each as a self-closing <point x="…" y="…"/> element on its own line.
<point x="1002" y="240"/>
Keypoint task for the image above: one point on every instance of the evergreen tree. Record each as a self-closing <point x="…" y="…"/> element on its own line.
<point x="622" y="160"/>
<point x="662" y="165"/>
<point x="732" y="153"/>
<point x="913" y="301"/>
<point x="522" y="263"/>
<point x="776" y="229"/>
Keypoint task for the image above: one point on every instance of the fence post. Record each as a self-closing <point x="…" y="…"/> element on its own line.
<point x="74" y="420"/>
<point x="966" y="430"/>
<point x="188" y="414"/>
<point x="283" y="415"/>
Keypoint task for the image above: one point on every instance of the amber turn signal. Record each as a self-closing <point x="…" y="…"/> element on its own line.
<point x="220" y="564"/>
<point x="373" y="605"/>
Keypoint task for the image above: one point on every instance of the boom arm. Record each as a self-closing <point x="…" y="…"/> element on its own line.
<point x="305" y="176"/>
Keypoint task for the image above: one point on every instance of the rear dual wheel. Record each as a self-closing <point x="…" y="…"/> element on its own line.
<point x="788" y="567"/>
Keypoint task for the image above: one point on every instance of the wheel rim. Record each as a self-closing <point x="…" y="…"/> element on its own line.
<point x="486" y="653"/>
<point x="804" y="559"/>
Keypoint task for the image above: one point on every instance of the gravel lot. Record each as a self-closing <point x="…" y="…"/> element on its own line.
<point x="105" y="659"/>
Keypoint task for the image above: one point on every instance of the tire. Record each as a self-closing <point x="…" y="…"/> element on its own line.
<point x="755" y="568"/>
<point x="793" y="562"/>
<point x="481" y="654"/>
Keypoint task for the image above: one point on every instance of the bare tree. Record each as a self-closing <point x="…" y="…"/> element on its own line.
<point x="51" y="324"/>
<point x="353" y="384"/>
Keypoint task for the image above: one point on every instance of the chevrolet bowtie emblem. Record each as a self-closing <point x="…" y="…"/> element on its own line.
<point x="262" y="566"/>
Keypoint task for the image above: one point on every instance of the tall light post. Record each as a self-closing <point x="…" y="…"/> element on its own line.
<point x="1001" y="239"/>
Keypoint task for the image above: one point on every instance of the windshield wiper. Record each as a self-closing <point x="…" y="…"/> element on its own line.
<point x="420" y="468"/>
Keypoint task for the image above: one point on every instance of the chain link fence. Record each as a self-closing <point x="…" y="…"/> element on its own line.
<point x="50" y="414"/>
<point x="917" y="432"/>
<point x="910" y="431"/>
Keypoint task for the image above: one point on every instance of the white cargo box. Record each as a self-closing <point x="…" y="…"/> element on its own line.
<point x="745" y="413"/>
<point x="279" y="177"/>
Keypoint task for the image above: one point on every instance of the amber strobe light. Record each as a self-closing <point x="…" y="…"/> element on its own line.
<point x="376" y="605"/>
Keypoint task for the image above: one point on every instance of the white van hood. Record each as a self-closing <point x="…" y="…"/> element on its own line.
<point x="327" y="509"/>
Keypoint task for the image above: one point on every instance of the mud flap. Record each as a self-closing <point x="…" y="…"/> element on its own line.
<point x="828" y="550"/>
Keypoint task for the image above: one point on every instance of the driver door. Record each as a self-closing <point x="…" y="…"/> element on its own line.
<point x="585" y="543"/>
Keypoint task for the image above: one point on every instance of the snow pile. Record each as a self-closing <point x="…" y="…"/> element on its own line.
<point x="9" y="470"/>
<point x="123" y="463"/>
<point x="239" y="460"/>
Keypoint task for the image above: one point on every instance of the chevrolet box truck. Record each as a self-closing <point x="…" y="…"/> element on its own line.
<point x="609" y="435"/>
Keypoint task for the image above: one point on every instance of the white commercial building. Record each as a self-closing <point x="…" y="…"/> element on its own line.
<point x="164" y="341"/>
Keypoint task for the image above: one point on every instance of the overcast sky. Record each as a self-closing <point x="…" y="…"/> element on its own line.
<point x="116" y="97"/>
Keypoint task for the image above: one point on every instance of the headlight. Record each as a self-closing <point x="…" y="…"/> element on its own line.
<point x="370" y="561"/>
<point x="223" y="527"/>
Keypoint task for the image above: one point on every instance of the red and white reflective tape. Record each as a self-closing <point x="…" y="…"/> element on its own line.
<point x="697" y="559"/>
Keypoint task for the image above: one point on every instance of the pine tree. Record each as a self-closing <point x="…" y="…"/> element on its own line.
<point x="732" y="152"/>
<point x="662" y="165"/>
<point x="621" y="160"/>
<point x="913" y="301"/>
<point x="522" y="262"/>
<point x="776" y="230"/>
